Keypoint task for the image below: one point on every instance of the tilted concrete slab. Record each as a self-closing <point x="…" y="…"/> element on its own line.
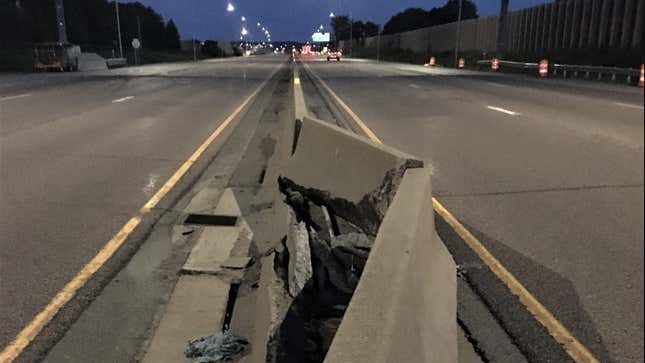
<point x="196" y="309"/>
<point x="211" y="250"/>
<point x="215" y="244"/>
<point x="351" y="175"/>
<point x="414" y="319"/>
<point x="228" y="204"/>
<point x="333" y="159"/>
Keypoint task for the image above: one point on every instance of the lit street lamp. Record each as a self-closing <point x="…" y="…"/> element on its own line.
<point x="332" y="15"/>
<point x="230" y="8"/>
<point x="244" y="18"/>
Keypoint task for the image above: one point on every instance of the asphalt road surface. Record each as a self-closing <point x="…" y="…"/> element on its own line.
<point x="548" y="174"/>
<point x="81" y="153"/>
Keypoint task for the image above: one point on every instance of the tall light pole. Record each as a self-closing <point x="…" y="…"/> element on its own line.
<point x="351" y="34"/>
<point x="378" y="44"/>
<point x="458" y="41"/>
<point x="118" y="25"/>
<point x="60" y="21"/>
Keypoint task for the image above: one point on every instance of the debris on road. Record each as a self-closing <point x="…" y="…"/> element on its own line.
<point x="221" y="347"/>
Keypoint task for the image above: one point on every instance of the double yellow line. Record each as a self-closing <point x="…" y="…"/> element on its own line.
<point x="576" y="350"/>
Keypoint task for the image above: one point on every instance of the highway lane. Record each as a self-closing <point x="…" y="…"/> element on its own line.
<point x="548" y="174"/>
<point x="81" y="153"/>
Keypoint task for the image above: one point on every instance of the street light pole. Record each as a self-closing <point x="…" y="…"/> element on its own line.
<point x="118" y="25"/>
<point x="351" y="34"/>
<point x="458" y="41"/>
<point x="378" y="44"/>
<point x="60" y="21"/>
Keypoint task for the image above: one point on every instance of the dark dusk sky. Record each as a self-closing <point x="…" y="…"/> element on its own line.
<point x="290" y="19"/>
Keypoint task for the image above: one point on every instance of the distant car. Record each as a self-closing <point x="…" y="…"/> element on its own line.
<point x="337" y="54"/>
<point x="58" y="56"/>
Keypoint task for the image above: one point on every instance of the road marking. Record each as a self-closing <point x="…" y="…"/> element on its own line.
<point x="414" y="86"/>
<point x="28" y="333"/>
<point x="119" y="100"/>
<point x="499" y="109"/>
<point x="559" y="332"/>
<point x="578" y="352"/>
<point x="628" y="105"/>
<point x="354" y="116"/>
<point x="8" y="98"/>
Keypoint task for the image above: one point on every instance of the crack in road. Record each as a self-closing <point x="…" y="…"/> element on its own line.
<point x="545" y="190"/>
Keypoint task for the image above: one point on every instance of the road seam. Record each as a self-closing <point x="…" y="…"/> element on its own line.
<point x="576" y="350"/>
<point x="35" y="326"/>
<point x="543" y="190"/>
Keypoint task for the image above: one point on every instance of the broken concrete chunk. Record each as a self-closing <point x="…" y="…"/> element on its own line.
<point x="300" y="269"/>
<point x="354" y="240"/>
<point x="345" y="227"/>
<point x="320" y="217"/>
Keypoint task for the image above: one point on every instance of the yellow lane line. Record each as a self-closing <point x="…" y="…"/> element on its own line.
<point x="557" y="330"/>
<point x="28" y="333"/>
<point x="342" y="104"/>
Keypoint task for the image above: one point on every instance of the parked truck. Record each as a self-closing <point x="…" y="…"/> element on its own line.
<point x="56" y="56"/>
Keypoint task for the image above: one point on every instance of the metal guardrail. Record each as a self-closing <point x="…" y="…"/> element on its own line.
<point x="574" y="71"/>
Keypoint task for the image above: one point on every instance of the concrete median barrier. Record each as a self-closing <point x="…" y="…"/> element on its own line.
<point x="354" y="175"/>
<point x="365" y="211"/>
<point x="404" y="307"/>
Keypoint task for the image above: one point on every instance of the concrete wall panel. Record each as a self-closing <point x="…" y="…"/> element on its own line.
<point x="563" y="24"/>
<point x="616" y="22"/>
<point x="628" y="22"/>
<point x="566" y="31"/>
<point x="562" y="8"/>
<point x="575" y="24"/>
<point x="594" y="24"/>
<point x="637" y="34"/>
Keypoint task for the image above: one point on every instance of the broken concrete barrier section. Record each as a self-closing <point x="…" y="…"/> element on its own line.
<point x="359" y="219"/>
<point x="354" y="177"/>
<point x="300" y="270"/>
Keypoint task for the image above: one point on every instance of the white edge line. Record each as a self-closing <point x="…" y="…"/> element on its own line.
<point x="628" y="105"/>
<point x="499" y="109"/>
<point x="15" y="97"/>
<point x="119" y="100"/>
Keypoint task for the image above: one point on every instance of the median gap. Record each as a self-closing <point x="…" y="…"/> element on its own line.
<point x="211" y="220"/>
<point x="230" y="306"/>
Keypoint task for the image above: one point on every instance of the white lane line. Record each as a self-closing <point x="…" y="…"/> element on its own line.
<point x="503" y="110"/>
<point x="628" y="105"/>
<point x="15" y="97"/>
<point x="119" y="100"/>
<point x="414" y="86"/>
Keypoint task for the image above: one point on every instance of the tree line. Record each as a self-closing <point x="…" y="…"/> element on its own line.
<point x="90" y="23"/>
<point x="409" y="19"/>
